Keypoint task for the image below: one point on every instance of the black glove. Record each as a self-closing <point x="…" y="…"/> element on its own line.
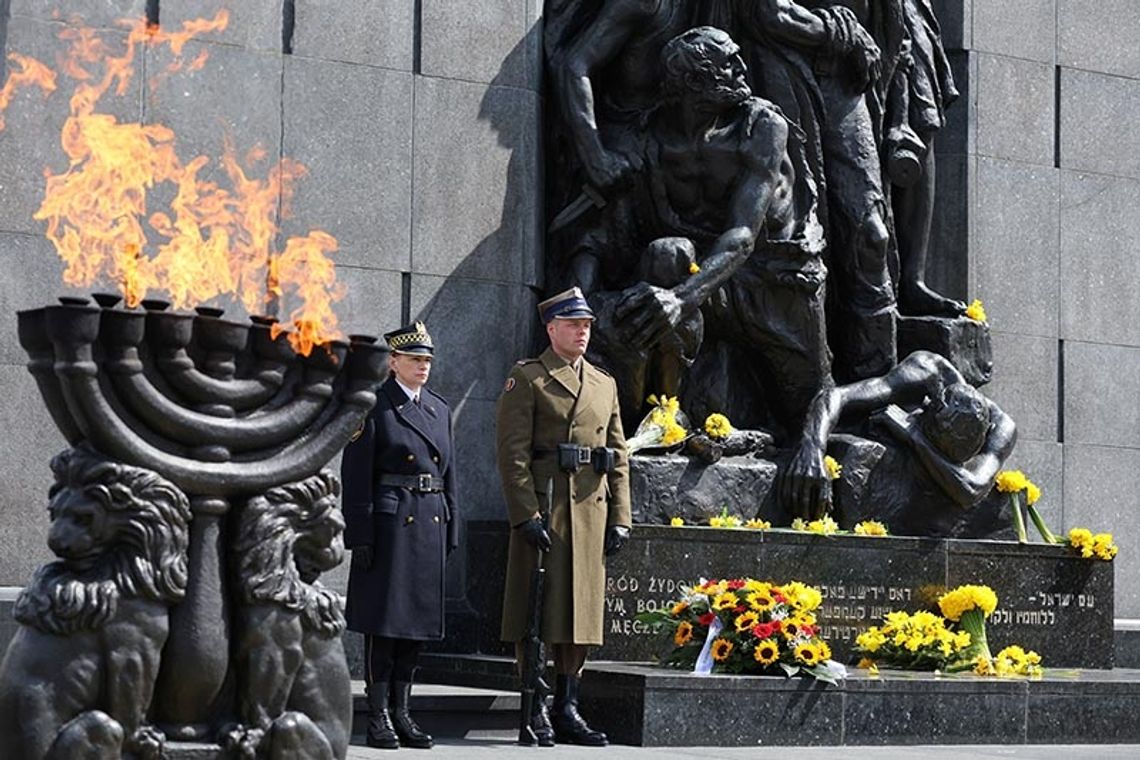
<point x="362" y="557"/>
<point x="535" y="534"/>
<point x="616" y="536"/>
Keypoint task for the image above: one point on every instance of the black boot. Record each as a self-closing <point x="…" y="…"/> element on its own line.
<point x="569" y="728"/>
<point x="381" y="734"/>
<point x="540" y="718"/>
<point x="406" y="728"/>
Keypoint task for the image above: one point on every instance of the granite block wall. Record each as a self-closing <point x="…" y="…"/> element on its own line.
<point x="1052" y="230"/>
<point x="418" y="122"/>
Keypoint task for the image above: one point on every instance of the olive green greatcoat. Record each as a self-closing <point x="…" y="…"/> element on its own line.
<point x="545" y="403"/>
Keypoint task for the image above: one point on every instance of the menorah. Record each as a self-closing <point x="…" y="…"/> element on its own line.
<point x="228" y="413"/>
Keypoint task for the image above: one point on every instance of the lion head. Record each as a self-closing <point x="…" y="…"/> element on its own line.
<point x="288" y="537"/>
<point x="119" y="531"/>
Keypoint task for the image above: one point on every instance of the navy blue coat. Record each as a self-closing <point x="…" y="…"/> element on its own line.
<point x="411" y="533"/>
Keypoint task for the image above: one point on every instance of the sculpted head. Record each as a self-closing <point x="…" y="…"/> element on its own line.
<point x="119" y="531"/>
<point x="957" y="421"/>
<point x="704" y="65"/>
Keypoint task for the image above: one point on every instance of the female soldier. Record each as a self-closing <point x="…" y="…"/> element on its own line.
<point x="401" y="522"/>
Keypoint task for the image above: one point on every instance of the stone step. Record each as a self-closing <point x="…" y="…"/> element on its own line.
<point x="448" y="710"/>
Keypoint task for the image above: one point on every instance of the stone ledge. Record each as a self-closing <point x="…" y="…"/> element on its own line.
<point x="647" y="706"/>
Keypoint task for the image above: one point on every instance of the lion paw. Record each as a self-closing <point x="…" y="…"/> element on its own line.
<point x="242" y="741"/>
<point x="146" y="743"/>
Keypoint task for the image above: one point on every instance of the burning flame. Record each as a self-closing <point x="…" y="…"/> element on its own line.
<point x="213" y="239"/>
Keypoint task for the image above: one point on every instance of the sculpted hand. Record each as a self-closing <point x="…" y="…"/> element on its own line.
<point x="647" y="313"/>
<point x="901" y="425"/>
<point x="616" y="536"/>
<point x="608" y="169"/>
<point x="362" y="557"/>
<point x="535" y="534"/>
<point x="806" y="484"/>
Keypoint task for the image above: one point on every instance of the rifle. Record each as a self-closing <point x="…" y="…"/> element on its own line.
<point x="533" y="652"/>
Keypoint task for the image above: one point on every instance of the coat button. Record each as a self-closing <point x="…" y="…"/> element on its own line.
<point x="411" y="457"/>
<point x="601" y="430"/>
<point x="435" y="518"/>
<point x="435" y="458"/>
<point x="410" y="520"/>
<point x="598" y="499"/>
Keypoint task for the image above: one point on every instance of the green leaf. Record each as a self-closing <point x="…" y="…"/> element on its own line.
<point x="791" y="670"/>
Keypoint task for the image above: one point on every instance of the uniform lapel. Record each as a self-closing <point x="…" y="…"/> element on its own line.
<point x="590" y="384"/>
<point x="418" y="418"/>
<point x="563" y="373"/>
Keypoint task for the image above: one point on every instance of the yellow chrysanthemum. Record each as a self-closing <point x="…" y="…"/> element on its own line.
<point x="757" y="524"/>
<point x="677" y="522"/>
<point x="674" y="433"/>
<point x="683" y="634"/>
<point x="871" y="640"/>
<point x="694" y="268"/>
<point x="807" y="653"/>
<point x="725" y="601"/>
<point x="1032" y="493"/>
<point x="718" y="426"/>
<point x="745" y="620"/>
<point x="801" y="596"/>
<point x="834" y="469"/>
<point x="678" y="608"/>
<point x="767" y="651"/>
<point x="983" y="666"/>
<point x="1011" y="481"/>
<point x="721" y="649"/>
<point x="870" y="528"/>
<point x="825" y="526"/>
<point x="976" y="311"/>
<point x="964" y="598"/>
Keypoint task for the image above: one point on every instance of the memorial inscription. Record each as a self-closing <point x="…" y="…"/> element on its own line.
<point x="1049" y="601"/>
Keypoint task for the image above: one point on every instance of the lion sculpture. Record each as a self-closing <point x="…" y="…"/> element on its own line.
<point x="78" y="676"/>
<point x="295" y="697"/>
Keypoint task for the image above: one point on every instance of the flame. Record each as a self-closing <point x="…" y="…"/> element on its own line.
<point x="215" y="238"/>
<point x="25" y="72"/>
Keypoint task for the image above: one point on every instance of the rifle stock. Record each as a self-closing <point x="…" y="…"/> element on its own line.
<point x="533" y="655"/>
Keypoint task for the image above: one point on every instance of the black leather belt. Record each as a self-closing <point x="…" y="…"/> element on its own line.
<point x="422" y="483"/>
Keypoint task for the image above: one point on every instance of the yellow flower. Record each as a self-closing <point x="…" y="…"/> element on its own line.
<point x="824" y="650"/>
<point x="766" y="652"/>
<point x="718" y="426"/>
<point x="761" y="601"/>
<point x="865" y="663"/>
<point x="758" y="524"/>
<point x="871" y="528"/>
<point x="1032" y="493"/>
<point x="807" y="653"/>
<point x="983" y="666"/>
<point x="1103" y="547"/>
<point x="721" y="649"/>
<point x="833" y="467"/>
<point x="824" y="526"/>
<point x="745" y="621"/>
<point x="674" y="433"/>
<point x="1011" y="481"/>
<point x="677" y="522"/>
<point x="870" y="640"/>
<point x="976" y="311"/>
<point x="678" y="608"/>
<point x="683" y="634"/>
<point x="801" y="596"/>
<point x="725" y="601"/>
<point x="965" y="598"/>
<point x="694" y="268"/>
<point x="716" y="521"/>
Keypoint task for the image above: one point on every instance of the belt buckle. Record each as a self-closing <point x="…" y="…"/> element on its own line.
<point x="423" y="482"/>
<point x="583" y="455"/>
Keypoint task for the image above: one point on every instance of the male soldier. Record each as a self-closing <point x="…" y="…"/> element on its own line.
<point x="559" y="424"/>
<point x="960" y="437"/>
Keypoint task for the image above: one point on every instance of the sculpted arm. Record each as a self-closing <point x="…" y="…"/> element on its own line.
<point x="969" y="482"/>
<point x="514" y="430"/>
<point x="595" y="46"/>
<point x="765" y="152"/>
<point x="788" y="22"/>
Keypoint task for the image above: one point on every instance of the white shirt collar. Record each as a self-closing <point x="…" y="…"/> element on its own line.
<point x="411" y="394"/>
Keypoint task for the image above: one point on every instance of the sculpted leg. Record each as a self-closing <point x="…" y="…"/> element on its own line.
<point x="295" y="737"/>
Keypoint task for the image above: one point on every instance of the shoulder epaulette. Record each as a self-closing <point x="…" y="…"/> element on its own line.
<point x="524" y="362"/>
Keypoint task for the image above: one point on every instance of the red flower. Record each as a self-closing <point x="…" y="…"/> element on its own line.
<point x="739" y="609"/>
<point x="777" y="625"/>
<point x="735" y="585"/>
<point x="778" y="596"/>
<point x="809" y="630"/>
<point x="762" y="630"/>
<point x="707" y="618"/>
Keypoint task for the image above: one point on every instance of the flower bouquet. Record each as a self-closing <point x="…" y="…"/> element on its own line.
<point x="664" y="426"/>
<point x="1090" y="545"/>
<point x="747" y="626"/>
<point x="969" y="606"/>
<point x="919" y="641"/>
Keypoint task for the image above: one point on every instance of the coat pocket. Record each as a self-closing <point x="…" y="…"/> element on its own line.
<point x="387" y="504"/>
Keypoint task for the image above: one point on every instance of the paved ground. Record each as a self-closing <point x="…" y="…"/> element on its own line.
<point x="501" y="746"/>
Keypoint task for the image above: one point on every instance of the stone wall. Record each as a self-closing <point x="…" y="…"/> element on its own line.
<point x="1043" y="155"/>
<point x="419" y="120"/>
